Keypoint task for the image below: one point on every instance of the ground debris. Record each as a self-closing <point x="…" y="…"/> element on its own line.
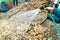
<point x="37" y="32"/>
<point x="18" y="31"/>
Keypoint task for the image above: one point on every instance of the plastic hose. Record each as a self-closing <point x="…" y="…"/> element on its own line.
<point x="55" y="25"/>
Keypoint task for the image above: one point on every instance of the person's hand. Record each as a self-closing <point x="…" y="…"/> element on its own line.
<point x="49" y="8"/>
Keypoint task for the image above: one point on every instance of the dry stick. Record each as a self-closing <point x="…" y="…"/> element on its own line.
<point x="12" y="13"/>
<point x="43" y="21"/>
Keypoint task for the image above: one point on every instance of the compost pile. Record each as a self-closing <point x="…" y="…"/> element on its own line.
<point x="18" y="31"/>
<point x="37" y="32"/>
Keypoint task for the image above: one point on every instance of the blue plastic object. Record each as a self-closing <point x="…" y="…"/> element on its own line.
<point x="57" y="20"/>
<point x="4" y="7"/>
<point x="56" y="11"/>
<point x="55" y="25"/>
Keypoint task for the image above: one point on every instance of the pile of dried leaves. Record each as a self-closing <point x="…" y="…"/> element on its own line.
<point x="20" y="31"/>
<point x="32" y="4"/>
<point x="37" y="32"/>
